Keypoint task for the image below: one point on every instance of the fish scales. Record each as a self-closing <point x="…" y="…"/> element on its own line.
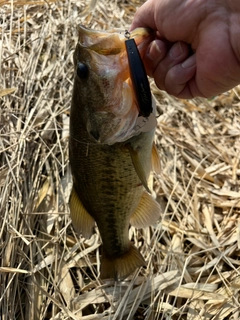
<point x="110" y="188"/>
<point x="107" y="188"/>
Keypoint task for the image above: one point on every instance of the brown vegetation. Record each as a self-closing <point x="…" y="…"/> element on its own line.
<point x="46" y="270"/>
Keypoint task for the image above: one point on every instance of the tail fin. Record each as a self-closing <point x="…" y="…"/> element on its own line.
<point x="120" y="267"/>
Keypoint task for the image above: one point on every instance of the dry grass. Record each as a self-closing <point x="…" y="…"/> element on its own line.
<point x="46" y="272"/>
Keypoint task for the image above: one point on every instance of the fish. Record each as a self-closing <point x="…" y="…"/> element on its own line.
<point x="111" y="149"/>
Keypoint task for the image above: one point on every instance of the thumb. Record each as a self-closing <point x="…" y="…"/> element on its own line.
<point x="144" y="17"/>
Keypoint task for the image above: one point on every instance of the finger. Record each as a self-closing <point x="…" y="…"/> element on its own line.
<point x="178" y="77"/>
<point x="156" y="52"/>
<point x="176" y="55"/>
<point x="144" y="17"/>
<point x="190" y="90"/>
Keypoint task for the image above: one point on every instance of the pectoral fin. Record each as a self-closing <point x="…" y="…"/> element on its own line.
<point x="156" y="164"/>
<point x="147" y="212"/>
<point x="137" y="163"/>
<point x="81" y="219"/>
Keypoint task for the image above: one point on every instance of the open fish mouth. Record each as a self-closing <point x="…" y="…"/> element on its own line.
<point x="112" y="41"/>
<point x="112" y="114"/>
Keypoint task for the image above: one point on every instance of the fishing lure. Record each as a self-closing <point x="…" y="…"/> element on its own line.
<point x="139" y="78"/>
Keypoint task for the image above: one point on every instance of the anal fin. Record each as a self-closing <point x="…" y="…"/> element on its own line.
<point x="147" y="212"/>
<point x="119" y="268"/>
<point x="81" y="219"/>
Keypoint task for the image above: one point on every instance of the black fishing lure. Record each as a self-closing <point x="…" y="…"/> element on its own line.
<point x="139" y="79"/>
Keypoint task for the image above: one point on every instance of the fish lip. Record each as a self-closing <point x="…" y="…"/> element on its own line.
<point x="122" y="32"/>
<point x="88" y="37"/>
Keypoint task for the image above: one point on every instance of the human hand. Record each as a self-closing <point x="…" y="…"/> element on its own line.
<point x="196" y="51"/>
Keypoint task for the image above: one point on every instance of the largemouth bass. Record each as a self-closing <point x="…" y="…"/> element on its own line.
<point x="111" y="149"/>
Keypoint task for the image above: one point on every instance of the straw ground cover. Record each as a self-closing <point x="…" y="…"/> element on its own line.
<point x="46" y="270"/>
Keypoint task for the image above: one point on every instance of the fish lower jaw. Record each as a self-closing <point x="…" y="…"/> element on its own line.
<point x="110" y="135"/>
<point x="95" y="135"/>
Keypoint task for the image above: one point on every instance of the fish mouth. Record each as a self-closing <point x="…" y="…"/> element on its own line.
<point x="114" y="119"/>
<point x="112" y="41"/>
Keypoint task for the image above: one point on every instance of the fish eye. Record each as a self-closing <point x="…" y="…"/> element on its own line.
<point x="82" y="70"/>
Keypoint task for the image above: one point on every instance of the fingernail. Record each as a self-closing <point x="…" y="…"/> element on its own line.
<point x="190" y="62"/>
<point x="176" y="50"/>
<point x="154" y="50"/>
